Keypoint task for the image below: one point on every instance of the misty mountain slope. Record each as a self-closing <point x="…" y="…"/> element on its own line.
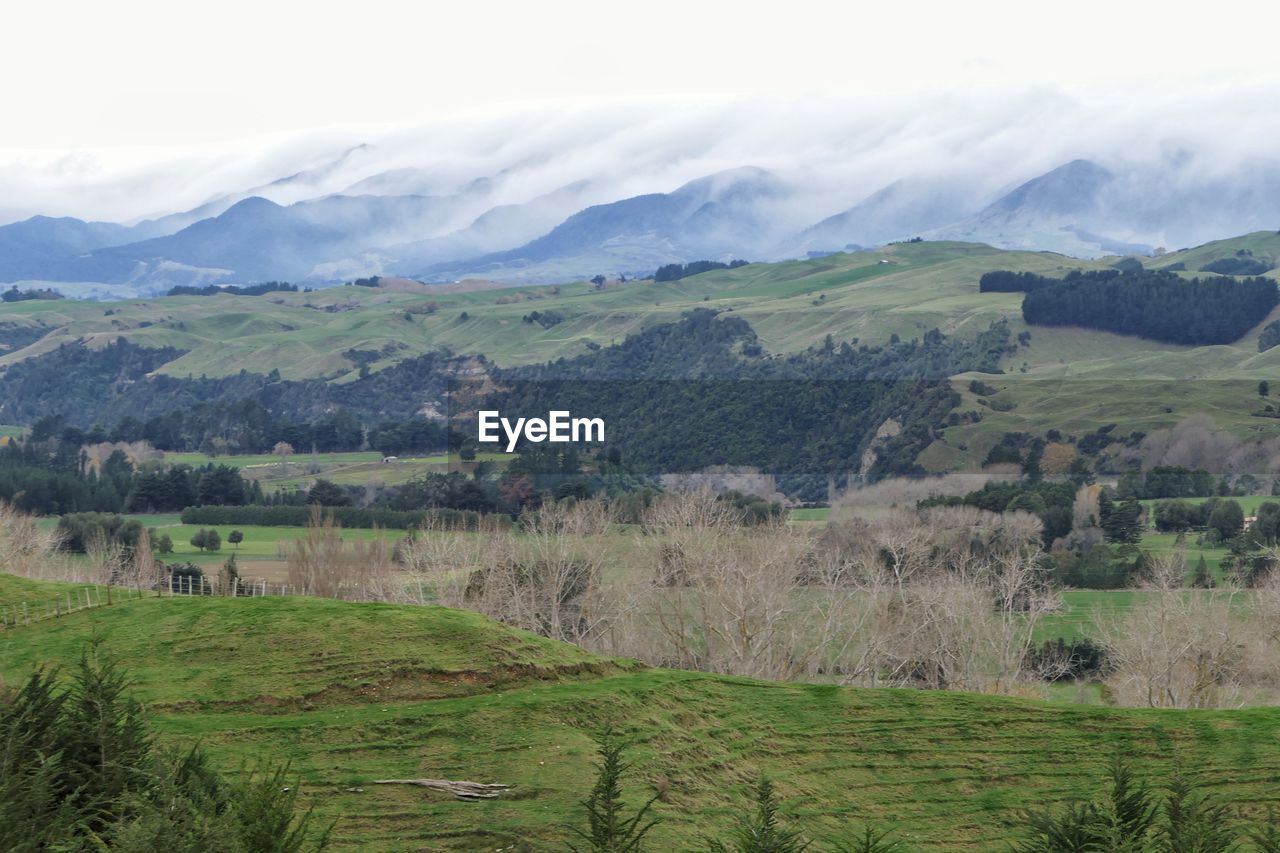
<point x="257" y="239"/>
<point x="720" y="215"/>
<point x="254" y="238"/>
<point x="497" y="229"/>
<point x="306" y="183"/>
<point x="898" y="211"/>
<point x="33" y="248"/>
<point x="1072" y="189"/>
<point x="443" y="223"/>
<point x="1063" y="210"/>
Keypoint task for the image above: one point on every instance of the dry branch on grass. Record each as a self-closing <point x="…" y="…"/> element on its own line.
<point x="462" y="789"/>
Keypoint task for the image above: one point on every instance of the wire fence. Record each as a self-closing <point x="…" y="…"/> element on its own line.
<point x="88" y="596"/>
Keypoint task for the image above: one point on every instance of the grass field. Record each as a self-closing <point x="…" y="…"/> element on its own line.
<point x="350" y="693"/>
<point x="260" y="543"/>
<point x="263" y="460"/>
<point x="356" y="468"/>
<point x="1248" y="503"/>
<point x="1081" y="611"/>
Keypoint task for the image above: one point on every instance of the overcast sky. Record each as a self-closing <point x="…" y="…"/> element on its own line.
<point x="135" y="107"/>
<point x="91" y="76"/>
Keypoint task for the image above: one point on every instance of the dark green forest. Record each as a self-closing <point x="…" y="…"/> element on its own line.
<point x="1157" y="305"/>
<point x="702" y="391"/>
<point x="675" y="272"/>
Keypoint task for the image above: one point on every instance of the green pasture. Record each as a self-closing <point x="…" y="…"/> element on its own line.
<point x="351" y="693"/>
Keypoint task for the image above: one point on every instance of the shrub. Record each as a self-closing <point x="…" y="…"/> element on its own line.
<point x="608" y="828"/>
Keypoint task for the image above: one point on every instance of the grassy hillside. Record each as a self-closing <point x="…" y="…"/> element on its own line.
<point x="352" y="692"/>
<point x="1259" y="244"/>
<point x="1071" y="379"/>
<point x="905" y="290"/>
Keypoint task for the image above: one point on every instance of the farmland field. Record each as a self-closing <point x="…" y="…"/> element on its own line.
<point x="355" y="468"/>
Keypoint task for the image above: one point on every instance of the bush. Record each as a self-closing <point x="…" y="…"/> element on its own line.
<point x="81" y="531"/>
<point x="1238" y="266"/>
<point x="1131" y="816"/>
<point x="1174" y="516"/>
<point x="1227" y="519"/>
<point x="608" y="829"/>
<point x="761" y="830"/>
<point x="206" y="540"/>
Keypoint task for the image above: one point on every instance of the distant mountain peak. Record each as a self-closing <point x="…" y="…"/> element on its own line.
<point x="1069" y="188"/>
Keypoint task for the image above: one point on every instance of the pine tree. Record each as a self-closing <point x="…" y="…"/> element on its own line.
<point x="761" y="831"/>
<point x="608" y="828"/>
<point x="870" y="841"/>
<point x="1192" y="821"/>
<point x="1125" y="820"/>
<point x="79" y="771"/>
<point x="1202" y="579"/>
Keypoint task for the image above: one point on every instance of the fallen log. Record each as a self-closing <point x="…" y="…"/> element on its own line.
<point x="461" y="789"/>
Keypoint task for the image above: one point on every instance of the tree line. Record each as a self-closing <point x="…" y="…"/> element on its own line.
<point x="675" y="272"/>
<point x="247" y="427"/>
<point x="234" y="289"/>
<point x="53" y="475"/>
<point x="13" y="294"/>
<point x="92" y="386"/>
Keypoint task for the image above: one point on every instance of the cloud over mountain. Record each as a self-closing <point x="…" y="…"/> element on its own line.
<point x="565" y="194"/>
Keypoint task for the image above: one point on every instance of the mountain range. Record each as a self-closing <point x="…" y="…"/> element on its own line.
<point x="415" y="223"/>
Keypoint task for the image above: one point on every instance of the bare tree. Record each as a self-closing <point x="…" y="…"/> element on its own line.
<point x="320" y="564"/>
<point x="29" y="551"/>
<point x="110" y="561"/>
<point x="545" y="576"/>
<point x="284" y="450"/>
<point x="1177" y="648"/>
<point x="723" y="596"/>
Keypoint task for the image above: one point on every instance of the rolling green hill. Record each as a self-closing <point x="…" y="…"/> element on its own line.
<point x="1066" y="378"/>
<point x="904" y="289"/>
<point x="351" y="693"/>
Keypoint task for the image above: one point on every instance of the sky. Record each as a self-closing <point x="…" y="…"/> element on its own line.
<point x="93" y="76"/>
<point x="99" y="96"/>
